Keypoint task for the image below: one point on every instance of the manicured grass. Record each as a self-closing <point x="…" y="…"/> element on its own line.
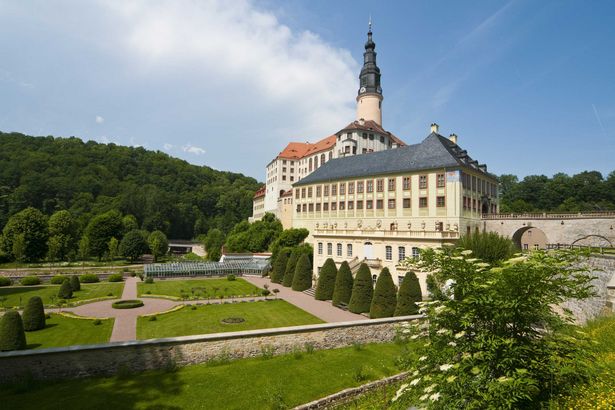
<point x="258" y="383"/>
<point x="206" y="319"/>
<point x="19" y="295"/>
<point x="66" y="331"/>
<point x="198" y="288"/>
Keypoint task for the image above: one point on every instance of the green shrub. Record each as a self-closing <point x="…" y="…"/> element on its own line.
<point x="303" y="274"/>
<point x="127" y="304"/>
<point x="152" y="318"/>
<point x="75" y="284"/>
<point x="362" y="291"/>
<point x="326" y="281"/>
<point x="116" y="277"/>
<point x="409" y="295"/>
<point x="279" y="267"/>
<point x="57" y="279"/>
<point x="289" y="272"/>
<point x="89" y="278"/>
<point x="231" y="278"/>
<point x="149" y="280"/>
<point x="97" y="322"/>
<point x="66" y="290"/>
<point x="4" y="281"/>
<point x="12" y="335"/>
<point x="30" y="281"/>
<point x="343" y="285"/>
<point x="488" y="246"/>
<point x="264" y="292"/>
<point x="385" y="296"/>
<point x="34" y="314"/>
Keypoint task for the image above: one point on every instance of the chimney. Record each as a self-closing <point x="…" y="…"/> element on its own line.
<point x="434" y="127"/>
<point x="361" y="121"/>
<point x="453" y="138"/>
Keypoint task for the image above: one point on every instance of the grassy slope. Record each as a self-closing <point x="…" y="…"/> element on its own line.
<point x="206" y="319"/>
<point x="243" y="384"/>
<point x="202" y="287"/>
<point x="65" y="331"/>
<point x="88" y="291"/>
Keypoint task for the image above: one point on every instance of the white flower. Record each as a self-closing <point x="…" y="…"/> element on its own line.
<point x="452" y="344"/>
<point x="414" y="337"/>
<point x="503" y="379"/>
<point x="439" y="309"/>
<point x="406" y="331"/>
<point x="451" y="378"/>
<point x="460" y="334"/>
<point x="442" y="331"/>
<point x="466" y="252"/>
<point x="430" y="388"/>
<point x="446" y="367"/>
<point x="416" y="373"/>
<point x="483" y="265"/>
<point x="434" y="397"/>
<point x="415" y="382"/>
<point x="400" y="391"/>
<point x="422" y="358"/>
<point x="424" y="397"/>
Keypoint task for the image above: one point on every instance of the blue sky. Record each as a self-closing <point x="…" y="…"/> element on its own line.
<point x="528" y="86"/>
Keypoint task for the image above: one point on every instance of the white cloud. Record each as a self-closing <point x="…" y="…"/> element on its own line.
<point x="99" y="119"/>
<point x="167" y="147"/>
<point x="191" y="149"/>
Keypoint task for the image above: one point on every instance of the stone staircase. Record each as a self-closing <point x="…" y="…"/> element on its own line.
<point x="354" y="265"/>
<point x="310" y="292"/>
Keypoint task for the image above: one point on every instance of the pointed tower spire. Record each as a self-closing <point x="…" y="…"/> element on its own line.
<point x="369" y="98"/>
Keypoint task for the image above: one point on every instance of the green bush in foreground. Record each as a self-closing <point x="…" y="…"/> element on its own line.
<point x="57" y="279"/>
<point x="66" y="290"/>
<point x="362" y="291"/>
<point x="12" y="335"/>
<point x="488" y="246"/>
<point x="385" y="298"/>
<point x="279" y="268"/>
<point x="4" y="281"/>
<point x="75" y="284"/>
<point x="30" y="281"/>
<point x="89" y="278"/>
<point x="302" y="280"/>
<point x="409" y="295"/>
<point x="34" y="314"/>
<point x="326" y="281"/>
<point x="493" y="339"/>
<point x="289" y="272"/>
<point x="343" y="285"/>
<point x="115" y="277"/>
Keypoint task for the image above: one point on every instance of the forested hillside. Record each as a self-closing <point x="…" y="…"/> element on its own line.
<point x="89" y="179"/>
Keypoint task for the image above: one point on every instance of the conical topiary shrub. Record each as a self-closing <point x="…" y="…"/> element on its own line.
<point x="289" y="273"/>
<point x="343" y="285"/>
<point x="34" y="314"/>
<point x="326" y="281"/>
<point x="66" y="290"/>
<point x="75" y="284"/>
<point x="362" y="291"/>
<point x="385" y="296"/>
<point x="303" y="274"/>
<point x="279" y="267"/>
<point x="12" y="335"/>
<point x="409" y="294"/>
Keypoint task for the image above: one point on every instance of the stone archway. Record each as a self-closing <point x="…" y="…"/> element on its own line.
<point x="594" y="241"/>
<point x="530" y="237"/>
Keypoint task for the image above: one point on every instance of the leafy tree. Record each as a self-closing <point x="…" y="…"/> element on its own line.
<point x="54" y="248"/>
<point x="279" y="267"/>
<point x="488" y="246"/>
<point x="62" y="235"/>
<point x="34" y="314"/>
<point x="326" y="281"/>
<point x="113" y="247"/>
<point x="84" y="248"/>
<point x="302" y="279"/>
<point x="385" y="296"/>
<point x="494" y="340"/>
<point x="133" y="245"/>
<point x="362" y="291"/>
<point x="343" y="285"/>
<point x="12" y="335"/>
<point x="75" y="284"/>
<point x="289" y="273"/>
<point x="101" y="229"/>
<point x="254" y="237"/>
<point x="289" y="238"/>
<point x="66" y="290"/>
<point x="129" y="223"/>
<point x="213" y="244"/>
<point x="29" y="229"/>
<point x="158" y="244"/>
<point x="409" y="295"/>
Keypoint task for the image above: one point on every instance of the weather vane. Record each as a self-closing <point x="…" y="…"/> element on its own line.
<point x="370" y="22"/>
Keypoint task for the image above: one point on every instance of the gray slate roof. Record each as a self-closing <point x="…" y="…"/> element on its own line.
<point x="435" y="151"/>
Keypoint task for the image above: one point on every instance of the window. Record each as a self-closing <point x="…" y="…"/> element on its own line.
<point x="400" y="280"/>
<point x="302" y="192"/>
<point x="342" y="205"/>
<point x="440" y="202"/>
<point x="379" y="204"/>
<point x="320" y="248"/>
<point x="298" y="208"/>
<point x="359" y="204"/>
<point x="415" y="252"/>
<point x="326" y="190"/>
<point x="350" y="205"/>
<point x="339" y="249"/>
<point x="318" y="207"/>
<point x="333" y="189"/>
<point x="370" y="186"/>
<point x="334" y="206"/>
<point x="369" y="204"/>
<point x="439" y="226"/>
<point x="350" y="188"/>
<point x="310" y="162"/>
<point x="318" y="191"/>
<point x="391" y="204"/>
<point x="347" y="149"/>
<point x="364" y="151"/>
<point x="422" y="181"/>
<point x="536" y="246"/>
<point x="374" y="279"/>
<point x="406" y="183"/>
<point x="401" y="253"/>
<point x="325" y="206"/>
<point x="311" y="207"/>
<point x="349" y="250"/>
<point x="283" y="162"/>
<point x="441" y="181"/>
<point x="525" y="247"/>
<point x="283" y="177"/>
<point x="364" y="135"/>
<point x="360" y="187"/>
<point x="423" y="202"/>
<point x="343" y="189"/>
<point x="316" y="162"/>
<point x="304" y="208"/>
<point x="329" y="249"/>
<point x="297" y="194"/>
<point x="391" y="184"/>
<point x="382" y="139"/>
<point x="292" y="178"/>
<point x="292" y="170"/>
<point x="322" y="159"/>
<point x="309" y="192"/>
<point x="406" y="203"/>
<point x="380" y="185"/>
<point x="371" y="137"/>
<point x="388" y="252"/>
<point x="283" y="169"/>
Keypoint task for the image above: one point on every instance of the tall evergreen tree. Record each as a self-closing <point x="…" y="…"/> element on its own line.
<point x="362" y="291"/>
<point x="75" y="284"/>
<point x="409" y="295"/>
<point x="289" y="273"/>
<point x="66" y="291"/>
<point x="385" y="296"/>
<point x="326" y="281"/>
<point x="279" y="267"/>
<point x="34" y="314"/>
<point x="12" y="335"/>
<point x="343" y="285"/>
<point x="302" y="279"/>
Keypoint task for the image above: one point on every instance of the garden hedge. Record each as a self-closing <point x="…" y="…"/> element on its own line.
<point x="127" y="304"/>
<point x="12" y="335"/>
<point x="343" y="285"/>
<point x="409" y="294"/>
<point x="30" y="281"/>
<point x="57" y="279"/>
<point x="89" y="278"/>
<point x="66" y="290"/>
<point x="116" y="277"/>
<point x="362" y="291"/>
<point x="34" y="314"/>
<point x="4" y="281"/>
<point x="75" y="284"/>
<point x="303" y="274"/>
<point x="326" y="281"/>
<point x="385" y="296"/>
<point x="289" y="272"/>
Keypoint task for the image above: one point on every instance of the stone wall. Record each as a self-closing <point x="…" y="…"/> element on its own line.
<point x="135" y="356"/>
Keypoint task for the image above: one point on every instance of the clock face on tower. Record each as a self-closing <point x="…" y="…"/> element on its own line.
<point x="362" y="90"/>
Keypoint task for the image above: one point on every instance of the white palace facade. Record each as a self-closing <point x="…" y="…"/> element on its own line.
<point x="366" y="196"/>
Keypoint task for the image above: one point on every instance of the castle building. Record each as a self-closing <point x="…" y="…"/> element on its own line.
<point x="366" y="196"/>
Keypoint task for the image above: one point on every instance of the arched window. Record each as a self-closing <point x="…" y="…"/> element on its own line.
<point x="310" y="164"/>
<point x="322" y="159"/>
<point x="330" y="155"/>
<point x="316" y="162"/>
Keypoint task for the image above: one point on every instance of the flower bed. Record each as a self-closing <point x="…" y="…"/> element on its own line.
<point x="127" y="304"/>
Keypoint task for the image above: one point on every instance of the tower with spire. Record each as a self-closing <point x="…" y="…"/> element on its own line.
<point x="369" y="98"/>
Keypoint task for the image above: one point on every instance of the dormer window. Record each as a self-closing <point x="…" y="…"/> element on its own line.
<point x="349" y="135"/>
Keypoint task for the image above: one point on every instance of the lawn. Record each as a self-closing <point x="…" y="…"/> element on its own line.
<point x="67" y="331"/>
<point x="198" y="288"/>
<point x="257" y="383"/>
<point x="19" y="295"/>
<point x="206" y="319"/>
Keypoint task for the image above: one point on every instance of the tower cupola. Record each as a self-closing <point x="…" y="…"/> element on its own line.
<point x="369" y="99"/>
